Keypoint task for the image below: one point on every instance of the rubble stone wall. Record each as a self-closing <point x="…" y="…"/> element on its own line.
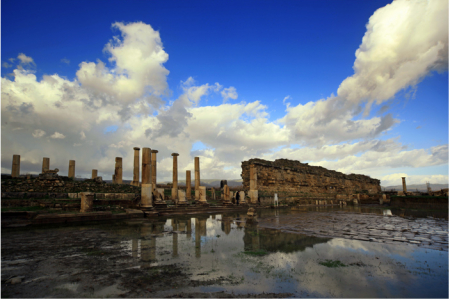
<point x="291" y="177"/>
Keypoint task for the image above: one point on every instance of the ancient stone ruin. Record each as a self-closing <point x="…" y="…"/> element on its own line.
<point x="292" y="176"/>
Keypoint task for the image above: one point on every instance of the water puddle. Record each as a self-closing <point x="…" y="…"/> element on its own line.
<point x="211" y="253"/>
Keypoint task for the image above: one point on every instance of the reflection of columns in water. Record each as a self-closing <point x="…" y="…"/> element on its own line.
<point x="197" y="238"/>
<point x="255" y="241"/>
<point x="189" y="229"/>
<point x="134" y="248"/>
<point x="175" y="245"/>
<point x="147" y="243"/>
<point x="181" y="225"/>
<point x="226" y="225"/>
<point x="174" y="225"/>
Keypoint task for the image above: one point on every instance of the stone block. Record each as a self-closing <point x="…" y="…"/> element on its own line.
<point x="100" y="196"/>
<point x="72" y="195"/>
<point x="87" y="200"/>
<point x="253" y="194"/>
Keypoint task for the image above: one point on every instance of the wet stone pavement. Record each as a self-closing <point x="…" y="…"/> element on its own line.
<point x="428" y="232"/>
<point x="224" y="256"/>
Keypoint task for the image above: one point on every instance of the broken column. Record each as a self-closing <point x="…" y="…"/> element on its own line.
<point x="45" y="164"/>
<point x="253" y="192"/>
<point x="15" y="170"/>
<point x="181" y="198"/>
<point x="146" y="196"/>
<point x="188" y="184"/>
<point x="202" y="194"/>
<point x="154" y="168"/>
<point x="404" y="184"/>
<point x="94" y="173"/>
<point x="197" y="177"/>
<point x="135" y="181"/>
<point x="242" y="197"/>
<point x="118" y="170"/>
<point x="213" y="193"/>
<point x="175" y="177"/>
<point x="146" y="166"/>
<point x="226" y="194"/>
<point x="71" y="169"/>
<point x="87" y="202"/>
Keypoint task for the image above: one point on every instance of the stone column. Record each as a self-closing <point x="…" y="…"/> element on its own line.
<point x="226" y="193"/>
<point x="202" y="194"/>
<point x="71" y="169"/>
<point x="197" y="177"/>
<point x="146" y="166"/>
<point x="146" y="196"/>
<point x="154" y="168"/>
<point x="188" y="184"/>
<point x="213" y="193"/>
<point x="253" y="192"/>
<point x="135" y="181"/>
<point x="15" y="170"/>
<point x="94" y="174"/>
<point x="242" y="197"/>
<point x="181" y="198"/>
<point x="118" y="170"/>
<point x="45" y="164"/>
<point x="87" y="200"/>
<point x="404" y="184"/>
<point x="175" y="177"/>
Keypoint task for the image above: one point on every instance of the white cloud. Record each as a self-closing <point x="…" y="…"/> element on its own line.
<point x="65" y="60"/>
<point x="396" y="179"/>
<point x="6" y="65"/>
<point x="38" y="133"/>
<point x="229" y="93"/>
<point x="57" y="135"/>
<point x="25" y="59"/>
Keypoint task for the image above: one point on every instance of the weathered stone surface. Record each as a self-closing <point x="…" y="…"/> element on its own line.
<point x="146" y="196"/>
<point x="197" y="177"/>
<point x="292" y="176"/>
<point x="188" y="185"/>
<point x="87" y="202"/>
<point x="146" y="165"/>
<point x="175" y="177"/>
<point x="94" y="174"/>
<point x="154" y="152"/>
<point x="15" y="170"/>
<point x="45" y="164"/>
<point x="118" y="171"/>
<point x="135" y="181"/>
<point x="71" y="169"/>
<point x="202" y="194"/>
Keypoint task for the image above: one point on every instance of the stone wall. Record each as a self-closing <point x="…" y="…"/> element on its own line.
<point x="62" y="184"/>
<point x="291" y="177"/>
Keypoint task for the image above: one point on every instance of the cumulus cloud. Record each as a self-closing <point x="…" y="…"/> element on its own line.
<point x="229" y="93"/>
<point x="38" y="133"/>
<point x="25" y="59"/>
<point x="125" y="92"/>
<point x="57" y="135"/>
<point x="6" y="65"/>
<point x="404" y="42"/>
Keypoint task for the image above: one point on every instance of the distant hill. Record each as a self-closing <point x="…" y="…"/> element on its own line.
<point x="414" y="187"/>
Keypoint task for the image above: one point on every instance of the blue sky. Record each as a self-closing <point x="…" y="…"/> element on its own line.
<point x="231" y="80"/>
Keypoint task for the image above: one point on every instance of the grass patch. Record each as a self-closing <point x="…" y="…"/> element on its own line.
<point x="260" y="252"/>
<point x="332" y="263"/>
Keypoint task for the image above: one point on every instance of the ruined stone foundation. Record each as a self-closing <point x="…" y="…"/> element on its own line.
<point x="294" y="177"/>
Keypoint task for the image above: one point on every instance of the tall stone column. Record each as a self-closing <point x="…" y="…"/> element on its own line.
<point x="253" y="192"/>
<point x="15" y="170"/>
<point x="404" y="184"/>
<point x="197" y="177"/>
<point x="146" y="166"/>
<point x="71" y="169"/>
<point x="45" y="164"/>
<point x="188" y="184"/>
<point x="135" y="181"/>
<point x="118" y="170"/>
<point x="94" y="174"/>
<point x="154" y="168"/>
<point x="175" y="177"/>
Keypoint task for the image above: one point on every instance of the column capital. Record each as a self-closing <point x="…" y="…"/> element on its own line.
<point x="136" y="148"/>
<point x="154" y="151"/>
<point x="175" y="154"/>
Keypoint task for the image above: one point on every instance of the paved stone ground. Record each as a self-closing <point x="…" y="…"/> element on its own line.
<point x="424" y="232"/>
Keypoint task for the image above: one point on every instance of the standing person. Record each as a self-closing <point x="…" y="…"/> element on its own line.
<point x="237" y="198"/>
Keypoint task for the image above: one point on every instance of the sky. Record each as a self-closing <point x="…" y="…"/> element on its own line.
<point x="353" y="86"/>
